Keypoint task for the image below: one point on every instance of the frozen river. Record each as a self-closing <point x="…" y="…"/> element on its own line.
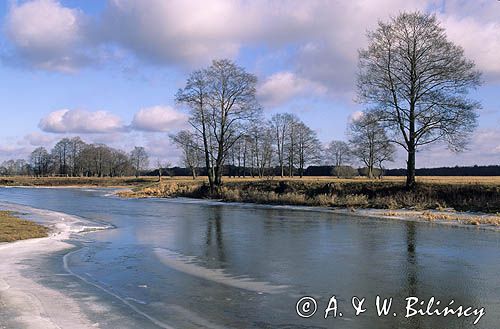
<point x="184" y="263"/>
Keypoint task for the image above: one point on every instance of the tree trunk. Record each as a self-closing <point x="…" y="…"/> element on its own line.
<point x="370" y="171"/>
<point x="410" y="169"/>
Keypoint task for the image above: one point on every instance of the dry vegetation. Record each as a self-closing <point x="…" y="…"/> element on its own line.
<point x="76" y="181"/>
<point x="13" y="228"/>
<point x="448" y="216"/>
<point x="460" y="193"/>
<point x="480" y="194"/>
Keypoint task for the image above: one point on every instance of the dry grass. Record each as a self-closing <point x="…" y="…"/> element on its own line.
<point x="354" y="193"/>
<point x="448" y="216"/>
<point x="77" y="181"/>
<point x="147" y="180"/>
<point x="13" y="228"/>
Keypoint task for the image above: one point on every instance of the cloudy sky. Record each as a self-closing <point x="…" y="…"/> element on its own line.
<point x="108" y="70"/>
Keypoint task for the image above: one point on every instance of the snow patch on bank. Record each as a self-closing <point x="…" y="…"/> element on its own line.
<point x="30" y="304"/>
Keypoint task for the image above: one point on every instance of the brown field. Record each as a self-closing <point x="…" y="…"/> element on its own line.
<point x="76" y="181"/>
<point x="13" y="228"/>
<point x="146" y="180"/>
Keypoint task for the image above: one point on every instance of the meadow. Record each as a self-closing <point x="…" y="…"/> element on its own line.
<point x="460" y="193"/>
<point x="13" y="228"/>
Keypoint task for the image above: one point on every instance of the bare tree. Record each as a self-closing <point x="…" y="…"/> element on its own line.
<point x="417" y="82"/>
<point x="16" y="167"/>
<point x="61" y="154"/>
<point x="118" y="163"/>
<point x="40" y="161"/>
<point x="195" y="96"/>
<point x="76" y="145"/>
<point x="290" y="144"/>
<point x="260" y="140"/>
<point x="281" y="124"/>
<point x="139" y="159"/>
<point x="338" y="153"/>
<point x="308" y="146"/>
<point x="369" y="142"/>
<point x="192" y="152"/>
<point x="221" y="99"/>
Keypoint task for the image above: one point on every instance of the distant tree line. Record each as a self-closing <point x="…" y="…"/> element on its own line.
<point x="450" y="171"/>
<point x="72" y="157"/>
<point x="347" y="171"/>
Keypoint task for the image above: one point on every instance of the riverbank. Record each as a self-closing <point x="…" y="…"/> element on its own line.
<point x="13" y="228"/>
<point x="462" y="204"/>
<point x="25" y="302"/>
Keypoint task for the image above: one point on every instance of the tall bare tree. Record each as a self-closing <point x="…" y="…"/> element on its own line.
<point x="194" y="96"/>
<point x="61" y="154"/>
<point x="76" y="146"/>
<point x="221" y="99"/>
<point x="281" y="124"/>
<point x="418" y="82"/>
<point x="369" y="142"/>
<point x="308" y="146"/>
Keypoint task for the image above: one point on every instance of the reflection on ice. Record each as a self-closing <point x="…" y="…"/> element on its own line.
<point x="187" y="265"/>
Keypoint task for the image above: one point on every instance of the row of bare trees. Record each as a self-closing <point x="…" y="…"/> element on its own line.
<point x="72" y="157"/>
<point x="413" y="80"/>
<point x="283" y="141"/>
<point x="287" y="143"/>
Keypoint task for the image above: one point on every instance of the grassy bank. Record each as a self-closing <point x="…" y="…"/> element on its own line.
<point x="13" y="228"/>
<point x="354" y="193"/>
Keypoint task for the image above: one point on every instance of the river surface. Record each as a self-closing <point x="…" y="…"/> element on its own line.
<point x="191" y="264"/>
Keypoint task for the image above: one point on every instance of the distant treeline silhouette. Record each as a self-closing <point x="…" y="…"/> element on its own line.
<point x="347" y="171"/>
<point x="450" y="171"/>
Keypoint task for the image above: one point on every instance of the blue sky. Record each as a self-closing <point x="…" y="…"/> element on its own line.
<point x="101" y="69"/>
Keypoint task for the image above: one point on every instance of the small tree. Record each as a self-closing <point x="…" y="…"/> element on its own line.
<point x="417" y="82"/>
<point x="369" y="142"/>
<point x="192" y="151"/>
<point x="139" y="159"/>
<point x="338" y="153"/>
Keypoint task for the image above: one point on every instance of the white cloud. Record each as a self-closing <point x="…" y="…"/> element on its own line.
<point x="159" y="119"/>
<point x="37" y="139"/>
<point x="159" y="147"/>
<point x="282" y="87"/>
<point x="325" y="34"/>
<point x="8" y="152"/>
<point x="46" y="35"/>
<point x="480" y="40"/>
<point x="80" y="121"/>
